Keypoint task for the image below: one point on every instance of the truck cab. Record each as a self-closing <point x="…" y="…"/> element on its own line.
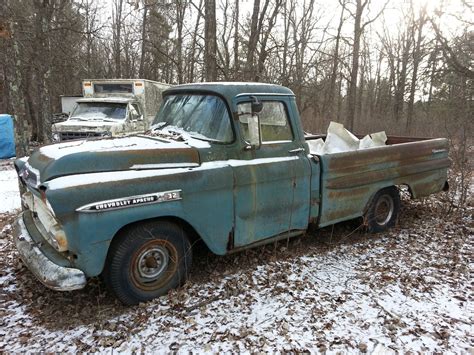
<point x="111" y="108"/>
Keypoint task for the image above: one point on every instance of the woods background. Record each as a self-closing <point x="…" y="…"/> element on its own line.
<point x="404" y="66"/>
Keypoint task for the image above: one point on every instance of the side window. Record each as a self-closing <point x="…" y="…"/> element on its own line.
<point x="274" y="124"/>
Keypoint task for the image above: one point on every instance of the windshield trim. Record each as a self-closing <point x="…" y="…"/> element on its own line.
<point x="210" y="93"/>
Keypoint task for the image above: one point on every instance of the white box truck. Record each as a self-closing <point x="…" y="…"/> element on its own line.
<point x="111" y="108"/>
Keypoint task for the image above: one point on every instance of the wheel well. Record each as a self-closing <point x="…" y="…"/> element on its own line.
<point x="369" y="202"/>
<point x="188" y="229"/>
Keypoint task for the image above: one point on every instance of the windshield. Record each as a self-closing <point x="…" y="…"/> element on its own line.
<point x="99" y="111"/>
<point x="202" y="116"/>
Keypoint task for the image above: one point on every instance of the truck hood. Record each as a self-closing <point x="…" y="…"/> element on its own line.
<point x="117" y="154"/>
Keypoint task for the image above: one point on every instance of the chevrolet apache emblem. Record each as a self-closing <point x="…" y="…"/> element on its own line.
<point x="130" y="201"/>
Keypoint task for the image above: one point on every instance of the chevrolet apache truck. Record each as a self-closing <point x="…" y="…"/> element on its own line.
<point x="111" y="108"/>
<point x="227" y="163"/>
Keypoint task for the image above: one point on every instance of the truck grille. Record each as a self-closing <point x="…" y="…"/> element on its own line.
<point x="67" y="136"/>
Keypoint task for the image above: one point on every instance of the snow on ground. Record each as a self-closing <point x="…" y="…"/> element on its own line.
<point x="9" y="196"/>
<point x="334" y="290"/>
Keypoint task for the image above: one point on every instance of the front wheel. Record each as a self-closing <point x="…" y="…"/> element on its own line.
<point x="383" y="210"/>
<point x="146" y="261"/>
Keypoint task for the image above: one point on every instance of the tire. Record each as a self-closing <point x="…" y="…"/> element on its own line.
<point x="383" y="210"/>
<point x="146" y="261"/>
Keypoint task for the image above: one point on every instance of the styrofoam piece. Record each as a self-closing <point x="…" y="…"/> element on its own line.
<point x="316" y="146"/>
<point x="339" y="139"/>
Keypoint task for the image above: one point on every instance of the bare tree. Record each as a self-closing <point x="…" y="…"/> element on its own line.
<point x="14" y="64"/>
<point x="358" y="30"/>
<point x="117" y="35"/>
<point x="181" y="6"/>
<point x="330" y="93"/>
<point x="141" y="70"/>
<point x="236" y="39"/>
<point x="193" y="46"/>
<point x="417" y="56"/>
<point x="210" y="59"/>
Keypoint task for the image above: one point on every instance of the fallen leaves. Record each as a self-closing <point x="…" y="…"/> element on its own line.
<point x="405" y="290"/>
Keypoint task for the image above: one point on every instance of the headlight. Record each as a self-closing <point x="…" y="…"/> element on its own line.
<point x="107" y="134"/>
<point x="56" y="137"/>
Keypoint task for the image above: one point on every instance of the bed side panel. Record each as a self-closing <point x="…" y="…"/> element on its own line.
<point x="350" y="179"/>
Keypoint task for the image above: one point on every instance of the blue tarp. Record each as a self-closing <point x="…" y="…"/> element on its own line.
<point x="7" y="137"/>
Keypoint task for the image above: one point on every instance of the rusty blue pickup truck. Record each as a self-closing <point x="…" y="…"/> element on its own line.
<point x="225" y="163"/>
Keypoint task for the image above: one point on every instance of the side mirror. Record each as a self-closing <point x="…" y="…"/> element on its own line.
<point x="133" y="114"/>
<point x="254" y="131"/>
<point x="256" y="105"/>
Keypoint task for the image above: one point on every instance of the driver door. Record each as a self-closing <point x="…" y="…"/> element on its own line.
<point x="266" y="177"/>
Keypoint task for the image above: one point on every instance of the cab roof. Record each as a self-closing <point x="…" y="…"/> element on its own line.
<point x="229" y="90"/>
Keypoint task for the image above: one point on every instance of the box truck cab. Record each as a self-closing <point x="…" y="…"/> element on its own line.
<point x="111" y="108"/>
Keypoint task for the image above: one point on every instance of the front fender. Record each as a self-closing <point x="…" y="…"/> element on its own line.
<point x="206" y="204"/>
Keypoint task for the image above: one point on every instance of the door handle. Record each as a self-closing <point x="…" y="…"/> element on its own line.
<point x="296" y="151"/>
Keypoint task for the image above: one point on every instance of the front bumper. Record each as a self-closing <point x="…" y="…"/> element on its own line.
<point x="54" y="276"/>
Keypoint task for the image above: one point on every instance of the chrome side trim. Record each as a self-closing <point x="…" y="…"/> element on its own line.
<point x="131" y="201"/>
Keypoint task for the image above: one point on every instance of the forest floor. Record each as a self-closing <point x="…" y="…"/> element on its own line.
<point x="334" y="290"/>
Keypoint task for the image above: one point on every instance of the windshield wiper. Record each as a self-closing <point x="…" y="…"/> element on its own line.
<point x="159" y="125"/>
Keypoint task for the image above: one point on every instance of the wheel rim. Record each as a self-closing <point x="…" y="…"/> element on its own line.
<point x="153" y="265"/>
<point x="152" y="262"/>
<point x="383" y="210"/>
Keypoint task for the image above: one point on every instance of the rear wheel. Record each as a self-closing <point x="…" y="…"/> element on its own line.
<point x="146" y="261"/>
<point x="383" y="210"/>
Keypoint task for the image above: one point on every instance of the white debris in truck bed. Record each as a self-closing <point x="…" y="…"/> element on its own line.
<point x="339" y="139"/>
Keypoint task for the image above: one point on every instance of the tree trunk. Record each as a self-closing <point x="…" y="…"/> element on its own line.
<point x="416" y="63"/>
<point x="263" y="48"/>
<point x="236" y="41"/>
<point x="352" y="92"/>
<point x="44" y="11"/>
<point x="180" y="12"/>
<point x="328" y="110"/>
<point x="194" y="44"/>
<point x="402" y="76"/>
<point x="141" y="70"/>
<point x="118" y="37"/>
<point x="210" y="58"/>
<point x="15" y="86"/>
<point x="253" y="40"/>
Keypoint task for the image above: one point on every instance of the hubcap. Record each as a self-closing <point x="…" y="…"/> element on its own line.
<point x="383" y="210"/>
<point x="152" y="262"/>
<point x="153" y="265"/>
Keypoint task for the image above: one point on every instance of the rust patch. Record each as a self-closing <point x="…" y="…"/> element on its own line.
<point x="387" y="154"/>
<point x="349" y="193"/>
<point x="367" y="177"/>
<point x="341" y="214"/>
<point x="62" y="241"/>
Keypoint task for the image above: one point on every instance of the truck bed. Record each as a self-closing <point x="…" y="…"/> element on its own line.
<point x="350" y="179"/>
